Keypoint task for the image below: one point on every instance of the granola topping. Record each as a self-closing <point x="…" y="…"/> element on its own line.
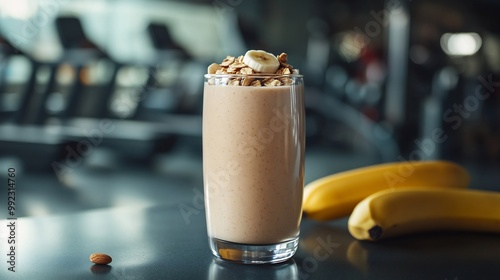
<point x="235" y="65"/>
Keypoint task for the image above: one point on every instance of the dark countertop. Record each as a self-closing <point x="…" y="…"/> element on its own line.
<point x="159" y="243"/>
<point x="132" y="213"/>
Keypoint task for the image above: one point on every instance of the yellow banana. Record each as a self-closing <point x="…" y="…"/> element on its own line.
<point x="411" y="210"/>
<point x="335" y="196"/>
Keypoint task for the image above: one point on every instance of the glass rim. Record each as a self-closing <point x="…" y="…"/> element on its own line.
<point x="257" y="75"/>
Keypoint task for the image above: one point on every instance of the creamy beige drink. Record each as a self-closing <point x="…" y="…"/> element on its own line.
<point x="253" y="161"/>
<point x="253" y="153"/>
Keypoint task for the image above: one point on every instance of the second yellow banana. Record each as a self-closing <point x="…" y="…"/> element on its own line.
<point x="403" y="211"/>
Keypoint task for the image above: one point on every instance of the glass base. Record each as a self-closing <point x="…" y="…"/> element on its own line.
<point x="254" y="254"/>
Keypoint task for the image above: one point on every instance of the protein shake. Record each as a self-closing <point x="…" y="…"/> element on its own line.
<point x="253" y="158"/>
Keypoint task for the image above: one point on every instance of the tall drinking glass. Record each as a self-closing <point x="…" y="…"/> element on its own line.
<point x="253" y="165"/>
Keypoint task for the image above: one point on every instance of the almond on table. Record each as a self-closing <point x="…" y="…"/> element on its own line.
<point x="100" y="258"/>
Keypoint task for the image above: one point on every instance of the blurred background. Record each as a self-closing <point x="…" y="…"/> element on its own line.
<point x="100" y="100"/>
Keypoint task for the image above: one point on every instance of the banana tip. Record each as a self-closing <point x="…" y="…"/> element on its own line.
<point x="375" y="232"/>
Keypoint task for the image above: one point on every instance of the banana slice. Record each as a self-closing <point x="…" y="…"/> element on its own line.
<point x="261" y="61"/>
